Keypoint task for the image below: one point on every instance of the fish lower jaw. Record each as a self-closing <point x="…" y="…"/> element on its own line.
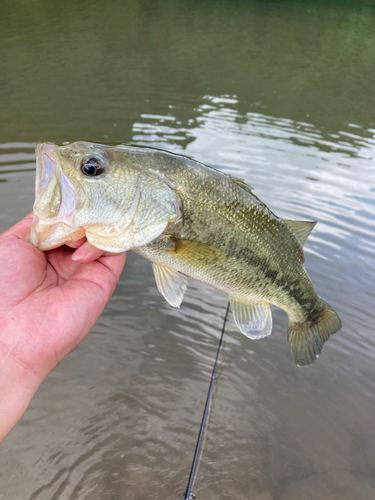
<point x="54" y="237"/>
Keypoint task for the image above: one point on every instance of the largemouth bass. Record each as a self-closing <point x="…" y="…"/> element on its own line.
<point x="189" y="220"/>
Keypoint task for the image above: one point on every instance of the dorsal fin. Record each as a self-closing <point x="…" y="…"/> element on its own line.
<point x="301" y="229"/>
<point x="242" y="183"/>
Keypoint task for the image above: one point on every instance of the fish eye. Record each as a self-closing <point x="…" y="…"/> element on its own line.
<point x="91" y="167"/>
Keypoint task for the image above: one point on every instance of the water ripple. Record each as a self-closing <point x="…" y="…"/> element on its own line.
<point x="149" y="371"/>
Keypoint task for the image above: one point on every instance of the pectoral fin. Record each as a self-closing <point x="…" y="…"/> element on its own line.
<point x="171" y="284"/>
<point x="254" y="319"/>
<point x="196" y="253"/>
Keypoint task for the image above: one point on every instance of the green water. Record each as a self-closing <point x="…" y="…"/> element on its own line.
<point x="279" y="93"/>
<point x="73" y="69"/>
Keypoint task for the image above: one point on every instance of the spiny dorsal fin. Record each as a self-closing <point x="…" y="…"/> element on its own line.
<point x="242" y="183"/>
<point x="301" y="229"/>
<point x="171" y="284"/>
<point x="254" y="319"/>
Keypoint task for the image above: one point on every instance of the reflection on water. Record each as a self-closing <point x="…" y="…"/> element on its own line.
<point x="269" y="101"/>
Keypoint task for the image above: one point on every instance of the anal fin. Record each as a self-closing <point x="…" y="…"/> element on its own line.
<point x="171" y="284"/>
<point x="254" y="319"/>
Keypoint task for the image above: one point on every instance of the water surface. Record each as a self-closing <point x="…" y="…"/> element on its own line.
<point x="280" y="94"/>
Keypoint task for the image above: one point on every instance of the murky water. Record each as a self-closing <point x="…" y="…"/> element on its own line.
<point x="279" y="93"/>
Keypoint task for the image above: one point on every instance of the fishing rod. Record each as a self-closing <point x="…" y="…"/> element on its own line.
<point x="189" y="495"/>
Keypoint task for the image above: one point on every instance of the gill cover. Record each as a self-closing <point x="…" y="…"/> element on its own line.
<point x="154" y="205"/>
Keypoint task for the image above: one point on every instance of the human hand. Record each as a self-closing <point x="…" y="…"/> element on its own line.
<point x="49" y="303"/>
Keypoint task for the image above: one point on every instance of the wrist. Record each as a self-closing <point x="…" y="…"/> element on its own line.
<point x="18" y="385"/>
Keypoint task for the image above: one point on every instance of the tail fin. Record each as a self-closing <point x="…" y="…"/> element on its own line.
<point x="306" y="340"/>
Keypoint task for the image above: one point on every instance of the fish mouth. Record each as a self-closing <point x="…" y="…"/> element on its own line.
<point x="55" y="203"/>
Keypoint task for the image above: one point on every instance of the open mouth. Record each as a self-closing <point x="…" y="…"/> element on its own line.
<point x="54" y="206"/>
<point x="46" y="158"/>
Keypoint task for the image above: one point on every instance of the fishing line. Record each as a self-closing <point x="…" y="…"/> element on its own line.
<point x="189" y="495"/>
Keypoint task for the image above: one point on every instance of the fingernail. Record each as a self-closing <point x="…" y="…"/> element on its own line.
<point x="79" y="254"/>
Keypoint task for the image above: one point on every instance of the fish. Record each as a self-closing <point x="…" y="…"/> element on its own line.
<point x="189" y="220"/>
